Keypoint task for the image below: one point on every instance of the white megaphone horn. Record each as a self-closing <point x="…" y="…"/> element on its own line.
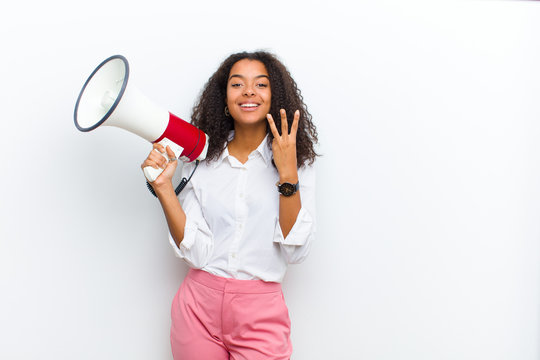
<point x="106" y="100"/>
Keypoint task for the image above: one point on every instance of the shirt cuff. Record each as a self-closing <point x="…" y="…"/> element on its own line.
<point x="190" y="232"/>
<point x="300" y="232"/>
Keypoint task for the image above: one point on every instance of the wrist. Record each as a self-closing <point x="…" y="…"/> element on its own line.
<point x="290" y="180"/>
<point x="289" y="177"/>
<point x="163" y="188"/>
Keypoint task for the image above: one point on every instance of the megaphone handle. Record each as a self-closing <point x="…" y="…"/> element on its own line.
<point x="151" y="173"/>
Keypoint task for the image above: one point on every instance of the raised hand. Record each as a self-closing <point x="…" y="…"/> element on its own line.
<point x="284" y="147"/>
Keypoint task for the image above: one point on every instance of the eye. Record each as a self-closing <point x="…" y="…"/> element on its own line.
<point x="262" y="85"/>
<point x="236" y="85"/>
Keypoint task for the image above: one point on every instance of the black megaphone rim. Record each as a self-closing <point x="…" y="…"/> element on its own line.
<point x="116" y="102"/>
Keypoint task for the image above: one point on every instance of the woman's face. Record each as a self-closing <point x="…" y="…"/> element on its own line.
<point x="248" y="92"/>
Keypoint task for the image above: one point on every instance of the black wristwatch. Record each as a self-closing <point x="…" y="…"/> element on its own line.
<point x="287" y="189"/>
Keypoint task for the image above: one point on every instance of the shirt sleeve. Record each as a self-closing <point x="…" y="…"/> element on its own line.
<point x="297" y="244"/>
<point x="198" y="243"/>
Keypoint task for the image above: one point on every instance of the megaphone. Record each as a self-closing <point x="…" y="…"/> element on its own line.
<point x="107" y="100"/>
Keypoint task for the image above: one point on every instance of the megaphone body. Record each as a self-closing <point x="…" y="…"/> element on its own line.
<point x="107" y="100"/>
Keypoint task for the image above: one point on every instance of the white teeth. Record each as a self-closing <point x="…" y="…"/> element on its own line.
<point x="249" y="105"/>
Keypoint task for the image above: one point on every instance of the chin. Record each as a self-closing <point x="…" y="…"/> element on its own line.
<point x="250" y="119"/>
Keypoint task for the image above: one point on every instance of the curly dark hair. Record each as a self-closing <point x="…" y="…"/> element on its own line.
<point x="209" y="115"/>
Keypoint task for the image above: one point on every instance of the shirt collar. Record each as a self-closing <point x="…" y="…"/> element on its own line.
<point x="263" y="149"/>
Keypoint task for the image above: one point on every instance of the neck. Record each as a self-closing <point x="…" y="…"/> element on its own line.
<point x="246" y="139"/>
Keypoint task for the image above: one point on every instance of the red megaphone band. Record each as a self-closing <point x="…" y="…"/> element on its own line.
<point x="186" y="135"/>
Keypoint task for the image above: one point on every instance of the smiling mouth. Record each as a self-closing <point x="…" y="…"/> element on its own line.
<point x="249" y="106"/>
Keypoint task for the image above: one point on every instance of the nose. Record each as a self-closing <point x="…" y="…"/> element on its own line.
<point x="248" y="91"/>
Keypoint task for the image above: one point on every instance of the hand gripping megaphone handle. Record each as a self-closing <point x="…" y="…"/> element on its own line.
<point x="152" y="173"/>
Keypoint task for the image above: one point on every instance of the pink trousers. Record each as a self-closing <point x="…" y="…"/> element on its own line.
<point x="217" y="318"/>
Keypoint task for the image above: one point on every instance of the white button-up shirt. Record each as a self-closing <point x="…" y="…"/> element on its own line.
<point x="232" y="218"/>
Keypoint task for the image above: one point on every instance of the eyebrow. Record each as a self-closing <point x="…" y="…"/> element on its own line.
<point x="243" y="77"/>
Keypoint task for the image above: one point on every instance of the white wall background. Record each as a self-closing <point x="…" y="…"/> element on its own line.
<point x="428" y="190"/>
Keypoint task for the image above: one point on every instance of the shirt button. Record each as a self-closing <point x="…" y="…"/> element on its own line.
<point x="233" y="256"/>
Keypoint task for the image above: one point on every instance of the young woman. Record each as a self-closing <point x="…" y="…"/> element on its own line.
<point x="246" y="214"/>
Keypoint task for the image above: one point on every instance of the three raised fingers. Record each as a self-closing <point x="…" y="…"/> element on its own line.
<point x="284" y="124"/>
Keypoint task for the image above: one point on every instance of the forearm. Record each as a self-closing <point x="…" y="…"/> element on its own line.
<point x="174" y="214"/>
<point x="289" y="206"/>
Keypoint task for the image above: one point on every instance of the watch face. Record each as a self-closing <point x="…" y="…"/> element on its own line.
<point x="287" y="189"/>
